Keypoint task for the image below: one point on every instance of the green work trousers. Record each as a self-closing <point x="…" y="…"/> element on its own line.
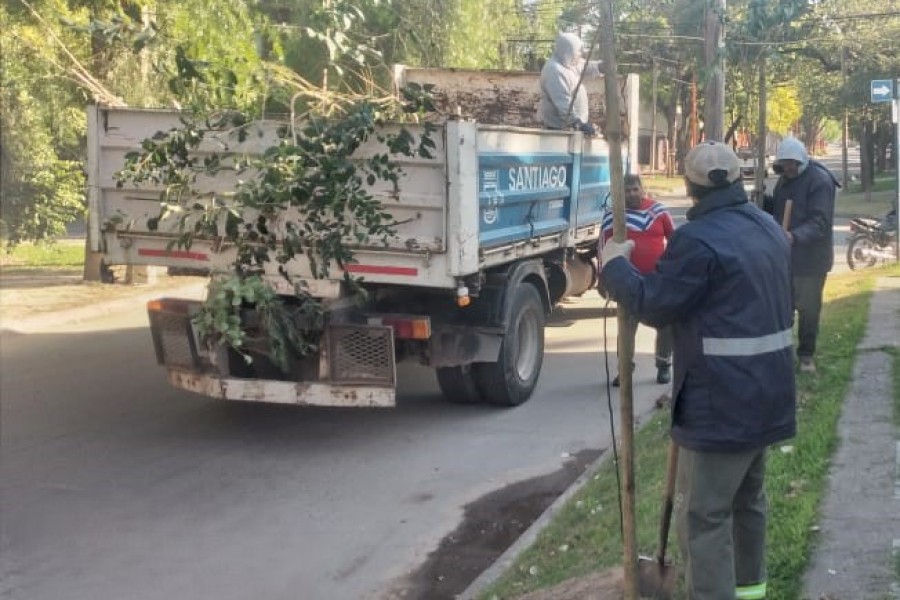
<point x="720" y="512"/>
<point x="808" y="304"/>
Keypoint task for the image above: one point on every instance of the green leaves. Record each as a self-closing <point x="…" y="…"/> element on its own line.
<point x="239" y="309"/>
<point x="306" y="196"/>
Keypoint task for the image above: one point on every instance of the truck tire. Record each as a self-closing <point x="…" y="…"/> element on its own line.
<point x="511" y="380"/>
<point x="458" y="384"/>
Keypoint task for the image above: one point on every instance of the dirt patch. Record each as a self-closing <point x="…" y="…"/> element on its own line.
<point x="606" y="585"/>
<point x="490" y="525"/>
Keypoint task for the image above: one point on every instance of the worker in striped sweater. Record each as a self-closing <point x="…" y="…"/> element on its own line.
<point x="650" y="225"/>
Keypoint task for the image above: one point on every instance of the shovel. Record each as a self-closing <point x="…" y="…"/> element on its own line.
<point x="656" y="578"/>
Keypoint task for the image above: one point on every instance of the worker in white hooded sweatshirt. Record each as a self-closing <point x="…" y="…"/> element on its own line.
<point x="559" y="82"/>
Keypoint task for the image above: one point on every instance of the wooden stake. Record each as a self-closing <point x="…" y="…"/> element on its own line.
<point x="786" y="218"/>
<point x="626" y="342"/>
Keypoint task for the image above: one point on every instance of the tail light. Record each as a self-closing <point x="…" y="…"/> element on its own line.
<point x="171" y="305"/>
<point x="406" y="327"/>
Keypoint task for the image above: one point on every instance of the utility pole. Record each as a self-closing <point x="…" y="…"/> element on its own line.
<point x="762" y="126"/>
<point x="895" y="117"/>
<point x="714" y="101"/>
<point x="626" y="342"/>
<point x="695" y="125"/>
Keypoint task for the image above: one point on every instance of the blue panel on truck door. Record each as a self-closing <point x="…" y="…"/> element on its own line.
<point x="521" y="196"/>
<point x="593" y="193"/>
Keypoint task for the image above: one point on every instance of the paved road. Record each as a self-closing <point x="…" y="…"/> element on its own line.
<point x="116" y="486"/>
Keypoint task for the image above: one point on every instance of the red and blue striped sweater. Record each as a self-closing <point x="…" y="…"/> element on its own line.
<point x="650" y="226"/>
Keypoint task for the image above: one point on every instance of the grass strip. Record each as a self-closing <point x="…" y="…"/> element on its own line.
<point x="584" y="537"/>
<point x="64" y="254"/>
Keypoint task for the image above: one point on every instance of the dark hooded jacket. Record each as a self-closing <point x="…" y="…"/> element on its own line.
<point x="724" y="285"/>
<point x="812" y="217"/>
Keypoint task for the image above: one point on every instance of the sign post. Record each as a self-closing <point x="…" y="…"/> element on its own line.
<point x="895" y="114"/>
<point x="887" y="90"/>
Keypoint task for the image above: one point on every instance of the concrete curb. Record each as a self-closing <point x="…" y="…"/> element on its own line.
<point x="78" y="314"/>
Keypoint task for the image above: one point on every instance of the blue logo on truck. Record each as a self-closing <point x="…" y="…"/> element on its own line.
<point x="523" y="195"/>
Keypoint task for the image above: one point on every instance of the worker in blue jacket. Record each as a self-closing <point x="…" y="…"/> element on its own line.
<point x="724" y="285"/>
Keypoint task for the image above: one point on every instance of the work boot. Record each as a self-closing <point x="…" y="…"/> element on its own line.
<point x="615" y="382"/>
<point x="807" y="364"/>
<point x="663" y="375"/>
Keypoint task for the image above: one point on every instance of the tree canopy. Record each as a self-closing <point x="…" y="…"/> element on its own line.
<point x="264" y="56"/>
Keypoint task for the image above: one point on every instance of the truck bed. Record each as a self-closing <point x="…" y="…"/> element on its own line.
<point x="490" y="194"/>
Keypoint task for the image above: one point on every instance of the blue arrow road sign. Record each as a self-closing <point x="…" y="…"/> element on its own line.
<point x="882" y="90"/>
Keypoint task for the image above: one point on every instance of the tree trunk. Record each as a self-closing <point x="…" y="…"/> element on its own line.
<point x="866" y="174"/>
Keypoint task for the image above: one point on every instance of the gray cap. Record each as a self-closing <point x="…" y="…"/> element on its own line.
<point x="712" y="164"/>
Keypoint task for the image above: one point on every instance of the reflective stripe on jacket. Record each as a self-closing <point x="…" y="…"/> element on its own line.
<point x="724" y="284"/>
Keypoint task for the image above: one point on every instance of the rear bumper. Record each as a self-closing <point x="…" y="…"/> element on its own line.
<point x="282" y="392"/>
<point x="355" y="365"/>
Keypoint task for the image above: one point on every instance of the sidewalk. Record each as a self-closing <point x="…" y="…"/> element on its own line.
<point x="37" y="299"/>
<point x="859" y="541"/>
<point x="859" y="530"/>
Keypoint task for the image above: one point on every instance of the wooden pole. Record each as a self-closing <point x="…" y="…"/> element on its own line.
<point x="714" y="102"/>
<point x="695" y="125"/>
<point x="761" y="131"/>
<point x="626" y="341"/>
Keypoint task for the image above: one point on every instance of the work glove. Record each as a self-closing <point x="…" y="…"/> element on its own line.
<point x="585" y="128"/>
<point x="613" y="249"/>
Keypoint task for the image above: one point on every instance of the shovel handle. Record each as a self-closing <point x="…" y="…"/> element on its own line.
<point x="668" y="501"/>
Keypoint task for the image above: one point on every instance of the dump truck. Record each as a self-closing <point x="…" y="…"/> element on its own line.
<point x="492" y="230"/>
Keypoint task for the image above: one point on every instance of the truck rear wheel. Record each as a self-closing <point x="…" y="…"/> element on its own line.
<point x="511" y="380"/>
<point x="458" y="384"/>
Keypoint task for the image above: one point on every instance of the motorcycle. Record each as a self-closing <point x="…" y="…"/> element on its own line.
<point x="872" y="241"/>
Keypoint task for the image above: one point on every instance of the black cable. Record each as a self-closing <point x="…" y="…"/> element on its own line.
<point x="612" y="423"/>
